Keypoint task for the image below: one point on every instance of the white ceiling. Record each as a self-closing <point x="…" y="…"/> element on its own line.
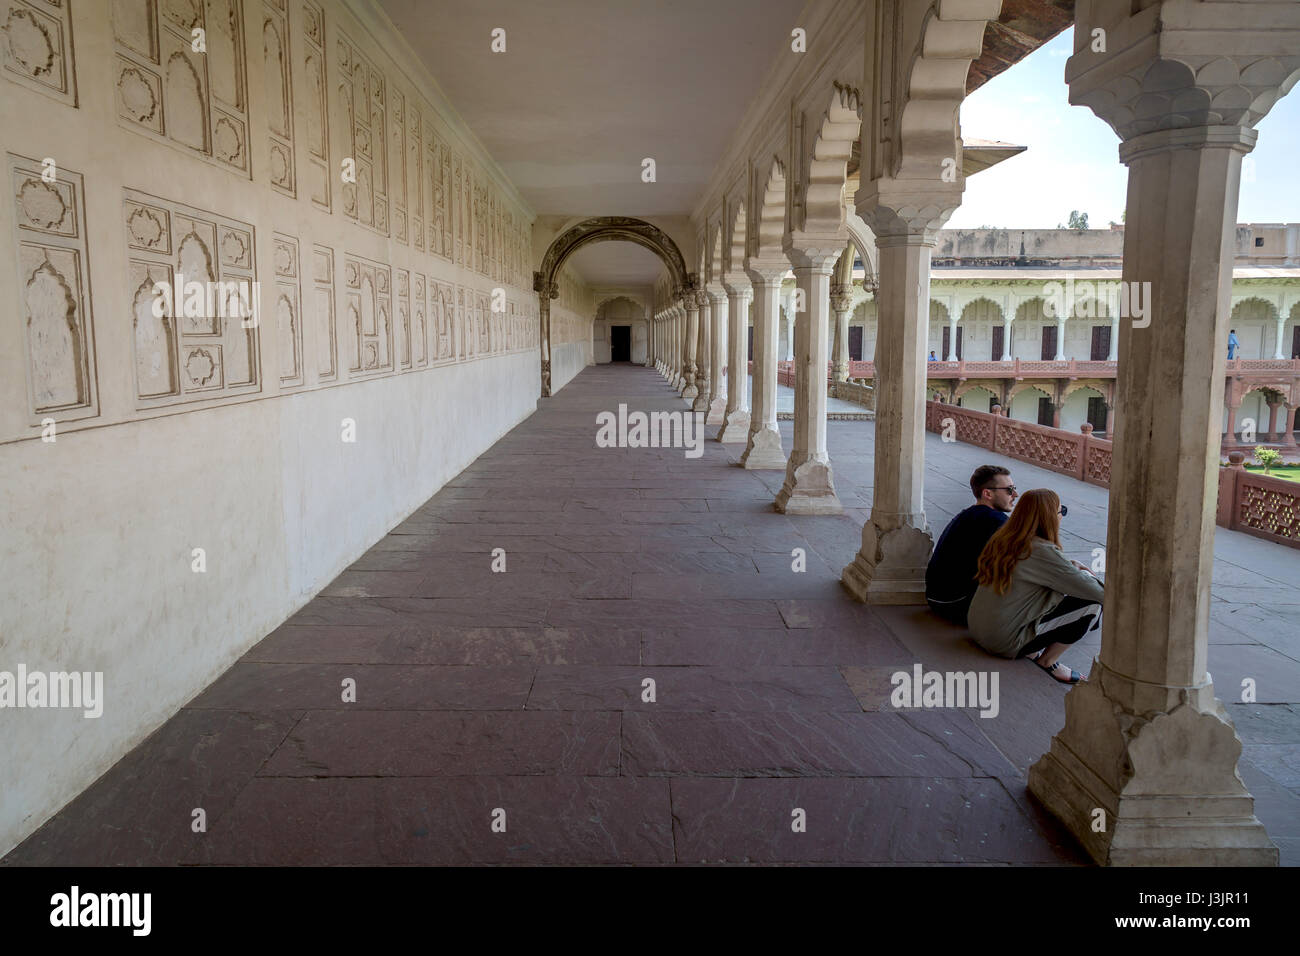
<point x="616" y="264"/>
<point x="588" y="88"/>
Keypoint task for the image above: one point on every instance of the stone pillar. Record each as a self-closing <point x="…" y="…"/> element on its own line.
<point x="1281" y="329"/>
<point x="1008" y="329"/>
<point x="703" y="353"/>
<point x="691" y="334"/>
<point x="735" y="425"/>
<point x="1110" y="420"/>
<point x="717" y="412"/>
<point x="809" y="486"/>
<point x="953" y="318"/>
<point x="1288" y="431"/>
<point x="889" y="568"/>
<point x="1271" y="435"/>
<point x="785" y="352"/>
<point x="1145" y="740"/>
<point x="546" y="291"/>
<point x="841" y="302"/>
<point x="763" y="448"/>
<point x="1060" y="338"/>
<point x="1229" y="437"/>
<point x="1114" y="337"/>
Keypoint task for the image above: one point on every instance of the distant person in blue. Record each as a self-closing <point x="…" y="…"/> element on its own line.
<point x="932" y="358"/>
<point x="950" y="576"/>
<point x="1233" y="345"/>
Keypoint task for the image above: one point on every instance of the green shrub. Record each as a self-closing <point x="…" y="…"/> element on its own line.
<point x="1268" y="457"/>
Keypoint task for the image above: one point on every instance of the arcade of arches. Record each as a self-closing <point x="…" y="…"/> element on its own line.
<point x="435" y="257"/>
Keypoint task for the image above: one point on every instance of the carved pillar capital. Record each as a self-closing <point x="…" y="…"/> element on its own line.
<point x="1180" y="66"/>
<point x="907" y="212"/>
<point x="841" y="297"/>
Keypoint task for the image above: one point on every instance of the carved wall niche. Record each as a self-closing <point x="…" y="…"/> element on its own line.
<point x="36" y="40"/>
<point x="288" y="309"/>
<point x="415" y="173"/>
<point x="369" y="316"/>
<point x="190" y="347"/>
<point x="483" y="318"/>
<point x="456" y="202"/>
<point x="465" y="335"/>
<point x="322" y="268"/>
<point x="419" y="321"/>
<point x="53" y="283"/>
<point x="363" y="97"/>
<point x="317" y="168"/>
<point x="439" y="196"/>
<point x="397" y="156"/>
<point x="170" y="91"/>
<point x="443" y="306"/>
<point x="277" y="72"/>
<point x="403" y="327"/>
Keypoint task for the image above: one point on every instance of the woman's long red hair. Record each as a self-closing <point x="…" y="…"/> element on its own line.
<point x="1037" y="515"/>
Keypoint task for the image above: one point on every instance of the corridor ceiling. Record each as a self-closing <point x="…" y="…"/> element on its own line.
<point x="587" y="89"/>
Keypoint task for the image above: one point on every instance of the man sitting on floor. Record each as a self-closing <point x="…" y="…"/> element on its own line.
<point x="950" y="576"/>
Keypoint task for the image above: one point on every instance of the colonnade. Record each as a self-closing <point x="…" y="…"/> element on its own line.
<point x="1146" y="747"/>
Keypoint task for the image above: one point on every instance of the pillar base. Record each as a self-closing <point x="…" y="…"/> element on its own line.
<point x="717" y="411"/>
<point x="689" y="392"/>
<point x="764" y="450"/>
<point x="808" y="490"/>
<point x="701" y="403"/>
<point x="890" y="567"/>
<point x="1167" y="782"/>
<point x="735" y="427"/>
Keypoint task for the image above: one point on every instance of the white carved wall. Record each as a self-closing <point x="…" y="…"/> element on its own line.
<point x="374" y="303"/>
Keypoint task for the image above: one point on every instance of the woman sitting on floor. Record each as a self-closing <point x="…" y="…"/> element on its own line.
<point x="1032" y="600"/>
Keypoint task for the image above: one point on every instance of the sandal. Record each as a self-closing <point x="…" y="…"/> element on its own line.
<point x="1074" y="678"/>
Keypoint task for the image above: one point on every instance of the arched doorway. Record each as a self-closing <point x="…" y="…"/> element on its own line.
<point x="600" y="229"/>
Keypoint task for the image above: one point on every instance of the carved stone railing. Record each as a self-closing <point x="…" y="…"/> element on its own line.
<point x="1261" y="505"/>
<point x="1254" y="504"/>
<point x="1076" y="454"/>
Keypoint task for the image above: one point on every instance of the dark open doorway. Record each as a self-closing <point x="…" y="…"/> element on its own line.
<point x="620" y="343"/>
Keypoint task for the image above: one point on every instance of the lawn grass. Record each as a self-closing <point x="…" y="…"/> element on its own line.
<point x="1289" y="472"/>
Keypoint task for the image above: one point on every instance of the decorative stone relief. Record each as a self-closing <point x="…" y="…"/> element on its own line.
<point x="480" y="219"/>
<point x="197" y="341"/>
<point x="53" y="278"/>
<point x="465" y="334"/>
<point x="415" y="173"/>
<point x="362" y="93"/>
<point x="322" y="267"/>
<point x="483" y="317"/>
<point x="443" y="307"/>
<point x="279" y="94"/>
<point x="457" y="207"/>
<point x="36" y="38"/>
<point x="166" y="89"/>
<point x="439" y="193"/>
<point x="397" y="156"/>
<point x="419" y="322"/>
<point x="288" y="309"/>
<point x="403" y="327"/>
<point x="317" y="168"/>
<point x="369" y="316"/>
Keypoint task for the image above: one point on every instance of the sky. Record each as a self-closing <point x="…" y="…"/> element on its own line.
<point x="1073" y="159"/>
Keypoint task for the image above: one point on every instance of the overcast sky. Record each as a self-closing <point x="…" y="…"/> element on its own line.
<point x="1073" y="161"/>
